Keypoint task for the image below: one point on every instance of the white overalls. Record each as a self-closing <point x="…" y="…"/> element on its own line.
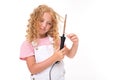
<point x="57" y="72"/>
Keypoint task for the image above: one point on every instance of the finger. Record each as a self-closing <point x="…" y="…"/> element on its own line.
<point x="72" y="36"/>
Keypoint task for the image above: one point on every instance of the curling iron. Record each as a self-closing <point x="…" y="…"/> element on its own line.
<point x="61" y="45"/>
<point x="63" y="35"/>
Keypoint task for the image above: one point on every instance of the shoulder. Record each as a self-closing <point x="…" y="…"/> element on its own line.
<point x="26" y="44"/>
<point x="26" y="50"/>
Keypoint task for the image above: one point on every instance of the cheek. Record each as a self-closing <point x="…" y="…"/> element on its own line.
<point x="48" y="28"/>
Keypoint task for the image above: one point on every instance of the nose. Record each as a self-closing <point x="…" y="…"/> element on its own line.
<point x="43" y="25"/>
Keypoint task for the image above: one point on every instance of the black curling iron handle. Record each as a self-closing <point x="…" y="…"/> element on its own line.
<point x="62" y="41"/>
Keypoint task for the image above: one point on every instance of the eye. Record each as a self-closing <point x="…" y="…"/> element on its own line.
<point x="41" y="20"/>
<point x="49" y="23"/>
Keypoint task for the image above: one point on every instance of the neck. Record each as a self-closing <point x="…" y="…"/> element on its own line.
<point x="43" y="36"/>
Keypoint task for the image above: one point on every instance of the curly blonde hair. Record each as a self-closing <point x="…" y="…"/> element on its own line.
<point x="33" y="25"/>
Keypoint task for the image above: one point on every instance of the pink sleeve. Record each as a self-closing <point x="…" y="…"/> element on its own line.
<point x="26" y="50"/>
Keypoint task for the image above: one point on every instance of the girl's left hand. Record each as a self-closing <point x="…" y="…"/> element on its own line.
<point x="73" y="37"/>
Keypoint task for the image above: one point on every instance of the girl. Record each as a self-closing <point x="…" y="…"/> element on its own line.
<point x="41" y="49"/>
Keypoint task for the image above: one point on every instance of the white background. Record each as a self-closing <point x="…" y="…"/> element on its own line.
<point x="96" y="22"/>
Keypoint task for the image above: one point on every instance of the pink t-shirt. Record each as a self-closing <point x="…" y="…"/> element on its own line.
<point x="27" y="48"/>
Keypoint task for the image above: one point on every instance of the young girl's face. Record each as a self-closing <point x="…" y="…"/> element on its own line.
<point x="45" y="24"/>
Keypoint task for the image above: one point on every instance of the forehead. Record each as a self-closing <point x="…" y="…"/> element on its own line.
<point x="47" y="16"/>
